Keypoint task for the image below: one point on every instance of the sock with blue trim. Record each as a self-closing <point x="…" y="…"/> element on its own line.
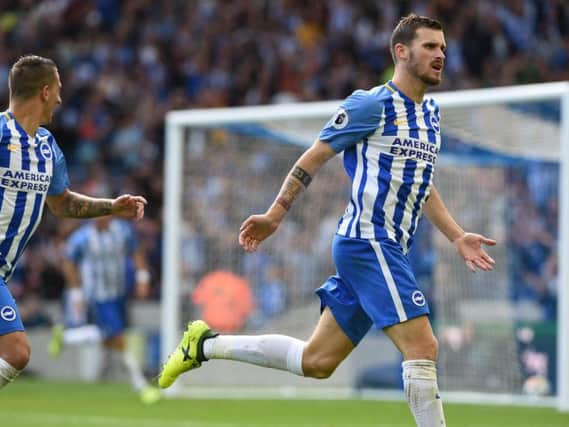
<point x="7" y="373"/>
<point x="422" y="393"/>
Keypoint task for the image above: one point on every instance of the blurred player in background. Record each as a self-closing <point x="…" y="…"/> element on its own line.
<point x="33" y="172"/>
<point x="390" y="138"/>
<point x="98" y="256"/>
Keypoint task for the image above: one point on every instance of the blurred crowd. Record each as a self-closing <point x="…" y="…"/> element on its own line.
<point x="534" y="220"/>
<point x="124" y="64"/>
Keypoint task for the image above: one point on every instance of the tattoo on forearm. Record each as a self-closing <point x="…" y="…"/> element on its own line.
<point x="289" y="191"/>
<point x="302" y="176"/>
<point x="79" y="206"/>
<point x="283" y="202"/>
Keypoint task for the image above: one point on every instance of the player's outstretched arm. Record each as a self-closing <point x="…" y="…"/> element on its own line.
<point x="257" y="228"/>
<point x="468" y="245"/>
<point x="73" y="282"/>
<point x="74" y="205"/>
<point x="142" y="275"/>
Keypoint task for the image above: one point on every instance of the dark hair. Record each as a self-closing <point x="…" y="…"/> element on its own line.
<point x="406" y="28"/>
<point x="29" y="74"/>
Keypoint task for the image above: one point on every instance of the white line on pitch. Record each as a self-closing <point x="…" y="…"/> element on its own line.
<point x="47" y="419"/>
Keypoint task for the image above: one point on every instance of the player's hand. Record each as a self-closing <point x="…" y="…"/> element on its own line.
<point x="469" y="246"/>
<point x="127" y="206"/>
<point x="254" y="230"/>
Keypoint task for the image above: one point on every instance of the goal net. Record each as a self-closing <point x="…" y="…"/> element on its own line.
<point x="502" y="171"/>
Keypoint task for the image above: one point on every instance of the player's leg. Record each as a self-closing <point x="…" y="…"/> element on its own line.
<point x="380" y="274"/>
<point x="327" y="347"/>
<point x="116" y="345"/>
<point x="342" y="325"/>
<point x="416" y="341"/>
<point x="318" y="357"/>
<point x="111" y="318"/>
<point x="80" y="335"/>
<point x="14" y="344"/>
<point x="14" y="356"/>
<point x="409" y="328"/>
<point x="78" y="330"/>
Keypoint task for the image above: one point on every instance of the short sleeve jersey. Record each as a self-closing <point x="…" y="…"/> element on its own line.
<point x="30" y="169"/>
<point x="101" y="256"/>
<point x="390" y="145"/>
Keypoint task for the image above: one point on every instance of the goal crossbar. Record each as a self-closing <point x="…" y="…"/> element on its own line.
<point x="255" y="114"/>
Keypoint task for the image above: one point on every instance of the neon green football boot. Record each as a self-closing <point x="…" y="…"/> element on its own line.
<point x="188" y="355"/>
<point x="55" y="345"/>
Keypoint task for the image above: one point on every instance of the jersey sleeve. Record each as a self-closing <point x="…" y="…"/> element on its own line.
<point x="60" y="179"/>
<point x="357" y="118"/>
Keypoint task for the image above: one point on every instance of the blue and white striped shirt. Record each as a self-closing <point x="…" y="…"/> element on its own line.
<point x="390" y="146"/>
<point x="30" y="169"/>
<point x="102" y="257"/>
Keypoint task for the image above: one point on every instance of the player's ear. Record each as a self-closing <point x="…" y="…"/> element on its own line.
<point x="401" y="52"/>
<point x="44" y="92"/>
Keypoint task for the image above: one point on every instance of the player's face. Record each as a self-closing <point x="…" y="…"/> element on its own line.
<point x="53" y="98"/>
<point x="427" y="56"/>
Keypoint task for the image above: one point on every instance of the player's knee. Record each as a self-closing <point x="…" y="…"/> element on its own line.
<point x="426" y="348"/>
<point x="315" y="366"/>
<point x="18" y="357"/>
<point x="21" y="356"/>
<point x="432" y="348"/>
<point x="17" y="353"/>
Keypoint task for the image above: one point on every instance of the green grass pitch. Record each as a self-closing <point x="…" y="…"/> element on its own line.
<point x="28" y="403"/>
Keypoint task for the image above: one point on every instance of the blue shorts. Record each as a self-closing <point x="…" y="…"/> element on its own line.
<point x="374" y="285"/>
<point x="110" y="316"/>
<point x="10" y="320"/>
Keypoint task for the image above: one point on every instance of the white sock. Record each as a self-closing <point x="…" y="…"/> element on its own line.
<point x="422" y="393"/>
<point x="136" y="376"/>
<point x="7" y="373"/>
<point x="271" y="351"/>
<point x="82" y="335"/>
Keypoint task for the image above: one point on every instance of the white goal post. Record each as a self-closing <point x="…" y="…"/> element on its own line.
<point x="178" y="122"/>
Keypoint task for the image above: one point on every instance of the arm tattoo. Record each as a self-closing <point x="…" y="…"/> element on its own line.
<point x="290" y="190"/>
<point x="79" y="206"/>
<point x="283" y="202"/>
<point x="302" y="176"/>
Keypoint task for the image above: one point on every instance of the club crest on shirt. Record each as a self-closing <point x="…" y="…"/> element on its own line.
<point x="340" y="119"/>
<point x="418" y="298"/>
<point x="435" y="123"/>
<point x="45" y="150"/>
<point x="8" y="313"/>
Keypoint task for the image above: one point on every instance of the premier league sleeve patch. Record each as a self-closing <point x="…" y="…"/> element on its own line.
<point x="355" y="119"/>
<point x="340" y="119"/>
